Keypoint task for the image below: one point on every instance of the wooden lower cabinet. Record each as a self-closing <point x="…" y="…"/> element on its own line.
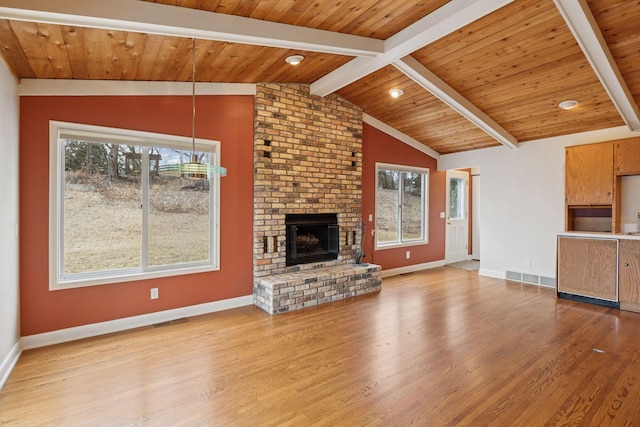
<point x="588" y="267"/>
<point x="629" y="275"/>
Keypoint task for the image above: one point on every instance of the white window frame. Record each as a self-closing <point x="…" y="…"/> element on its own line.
<point x="424" y="239"/>
<point x="59" y="131"/>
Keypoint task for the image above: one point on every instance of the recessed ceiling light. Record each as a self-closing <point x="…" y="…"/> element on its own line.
<point x="395" y="93"/>
<point x="294" y="59"/>
<point x="568" y="104"/>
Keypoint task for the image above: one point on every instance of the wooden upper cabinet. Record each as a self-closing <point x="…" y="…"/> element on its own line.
<point x="589" y="177"/>
<point x="627" y="156"/>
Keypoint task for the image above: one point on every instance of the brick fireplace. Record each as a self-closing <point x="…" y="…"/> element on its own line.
<point x="308" y="160"/>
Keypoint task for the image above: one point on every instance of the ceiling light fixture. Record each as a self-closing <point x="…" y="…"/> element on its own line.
<point x="193" y="169"/>
<point x="395" y="93"/>
<point x="294" y="59"/>
<point x="568" y="104"/>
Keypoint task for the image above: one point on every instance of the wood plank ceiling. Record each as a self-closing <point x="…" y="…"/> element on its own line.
<point x="503" y="65"/>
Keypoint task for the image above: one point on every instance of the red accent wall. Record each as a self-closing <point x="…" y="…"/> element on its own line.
<point x="383" y="148"/>
<point x="228" y="119"/>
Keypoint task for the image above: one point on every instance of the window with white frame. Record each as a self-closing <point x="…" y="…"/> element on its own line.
<point x="401" y="205"/>
<point x="120" y="209"/>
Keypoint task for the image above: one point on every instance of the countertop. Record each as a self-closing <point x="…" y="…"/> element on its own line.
<point x="600" y="235"/>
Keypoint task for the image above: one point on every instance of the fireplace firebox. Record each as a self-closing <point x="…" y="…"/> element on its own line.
<point x="311" y="238"/>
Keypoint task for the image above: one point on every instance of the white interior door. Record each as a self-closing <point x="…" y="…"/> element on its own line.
<point x="475" y="217"/>
<point x="457" y="229"/>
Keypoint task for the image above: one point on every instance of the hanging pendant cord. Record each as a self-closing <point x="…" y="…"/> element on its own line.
<point x="193" y="96"/>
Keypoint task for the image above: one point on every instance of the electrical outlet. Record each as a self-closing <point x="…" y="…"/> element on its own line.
<point x="528" y="262"/>
<point x="443" y="215"/>
<point x="154" y="293"/>
<point x="408" y="254"/>
<point x="370" y="217"/>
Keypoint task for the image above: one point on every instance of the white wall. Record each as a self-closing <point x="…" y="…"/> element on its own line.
<point x="630" y="195"/>
<point x="9" y="285"/>
<point x="522" y="200"/>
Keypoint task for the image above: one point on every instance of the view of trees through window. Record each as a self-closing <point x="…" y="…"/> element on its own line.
<point x="456" y="198"/>
<point x="387" y="206"/>
<point x="400" y="206"/>
<point x="127" y="207"/>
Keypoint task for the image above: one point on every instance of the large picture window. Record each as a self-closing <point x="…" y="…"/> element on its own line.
<point x="121" y="210"/>
<point x="401" y="205"/>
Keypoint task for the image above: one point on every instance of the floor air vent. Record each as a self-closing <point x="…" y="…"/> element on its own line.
<point x="531" y="278"/>
<point x="171" y="322"/>
<point x="512" y="275"/>
<point x="548" y="281"/>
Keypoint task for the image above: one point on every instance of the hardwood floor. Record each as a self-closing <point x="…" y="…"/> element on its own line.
<point x="441" y="347"/>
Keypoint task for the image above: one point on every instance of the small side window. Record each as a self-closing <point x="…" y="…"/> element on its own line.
<point x="401" y="205"/>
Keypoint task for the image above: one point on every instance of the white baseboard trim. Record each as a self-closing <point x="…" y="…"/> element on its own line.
<point x="9" y="362"/>
<point x="95" y="329"/>
<point x="492" y="273"/>
<point x="412" y="268"/>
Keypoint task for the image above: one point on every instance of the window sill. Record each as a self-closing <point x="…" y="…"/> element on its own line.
<point x="401" y="245"/>
<point x="128" y="277"/>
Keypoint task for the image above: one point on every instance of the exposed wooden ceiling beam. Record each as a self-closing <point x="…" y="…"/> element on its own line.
<point x="441" y="90"/>
<point x="154" y="18"/>
<point x="443" y="21"/>
<point x="69" y="87"/>
<point x="583" y="25"/>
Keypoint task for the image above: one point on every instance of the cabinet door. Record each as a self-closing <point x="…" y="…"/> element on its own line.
<point x="588" y="267"/>
<point x="629" y="278"/>
<point x="627" y="156"/>
<point x="589" y="174"/>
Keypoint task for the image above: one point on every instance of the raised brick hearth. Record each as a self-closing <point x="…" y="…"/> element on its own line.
<point x="308" y="159"/>
<point x="293" y="291"/>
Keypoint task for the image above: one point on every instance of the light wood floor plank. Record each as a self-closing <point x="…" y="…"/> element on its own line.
<point x="443" y="347"/>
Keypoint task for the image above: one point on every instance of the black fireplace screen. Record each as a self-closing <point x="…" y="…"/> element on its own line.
<point x="312" y="238"/>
